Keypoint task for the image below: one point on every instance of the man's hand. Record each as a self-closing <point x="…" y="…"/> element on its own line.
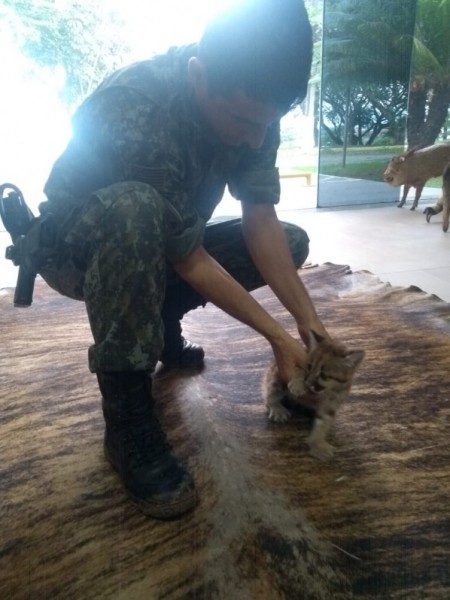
<point x="269" y="249"/>
<point x="290" y="356"/>
<point x="207" y="276"/>
<point x="210" y="280"/>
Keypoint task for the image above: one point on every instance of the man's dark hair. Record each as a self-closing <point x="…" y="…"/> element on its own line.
<point x="263" y="47"/>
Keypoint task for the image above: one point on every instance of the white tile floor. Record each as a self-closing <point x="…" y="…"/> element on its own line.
<point x="397" y="245"/>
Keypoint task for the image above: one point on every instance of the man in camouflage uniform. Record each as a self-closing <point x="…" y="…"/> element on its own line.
<point x="152" y="151"/>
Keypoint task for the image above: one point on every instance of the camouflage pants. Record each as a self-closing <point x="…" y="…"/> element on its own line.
<point x="112" y="256"/>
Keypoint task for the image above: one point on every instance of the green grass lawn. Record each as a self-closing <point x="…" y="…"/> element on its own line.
<point x="361" y="150"/>
<point x="371" y="170"/>
<point x="293" y="161"/>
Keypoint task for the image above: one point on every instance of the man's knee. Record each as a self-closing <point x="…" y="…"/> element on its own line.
<point x="132" y="200"/>
<point x="298" y="241"/>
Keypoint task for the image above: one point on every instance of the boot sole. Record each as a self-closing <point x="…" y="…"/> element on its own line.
<point x="187" y="359"/>
<point x="162" y="509"/>
<point x="182" y="363"/>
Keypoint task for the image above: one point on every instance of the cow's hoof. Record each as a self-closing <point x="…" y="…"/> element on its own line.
<point x="429" y="212"/>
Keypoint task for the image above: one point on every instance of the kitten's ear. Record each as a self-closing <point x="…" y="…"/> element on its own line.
<point x="353" y="359"/>
<point x="314" y="339"/>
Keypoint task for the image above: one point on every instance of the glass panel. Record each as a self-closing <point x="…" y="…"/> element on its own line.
<point x="367" y="48"/>
<point x="429" y="94"/>
<point x="298" y="156"/>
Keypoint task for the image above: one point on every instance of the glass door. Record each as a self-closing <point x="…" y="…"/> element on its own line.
<point x="367" y="46"/>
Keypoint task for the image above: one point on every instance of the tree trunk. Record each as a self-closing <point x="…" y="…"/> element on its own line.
<point x="417" y="100"/>
<point x="437" y="113"/>
<point x="423" y="126"/>
<point x="333" y="136"/>
<point x="347" y="127"/>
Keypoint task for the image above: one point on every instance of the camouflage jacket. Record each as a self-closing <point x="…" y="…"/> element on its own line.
<point x="142" y="124"/>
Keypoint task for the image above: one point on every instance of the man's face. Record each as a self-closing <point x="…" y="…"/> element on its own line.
<point x="237" y="119"/>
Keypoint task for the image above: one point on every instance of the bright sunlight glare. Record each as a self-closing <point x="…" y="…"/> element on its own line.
<point x="35" y="126"/>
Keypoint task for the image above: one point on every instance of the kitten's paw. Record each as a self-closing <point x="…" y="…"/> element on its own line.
<point x="297" y="387"/>
<point x="279" y="414"/>
<point x="321" y="451"/>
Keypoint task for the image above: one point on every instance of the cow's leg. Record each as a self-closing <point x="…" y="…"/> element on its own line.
<point x="406" y="189"/>
<point x="446" y="214"/>
<point x="430" y="211"/>
<point x="419" y="189"/>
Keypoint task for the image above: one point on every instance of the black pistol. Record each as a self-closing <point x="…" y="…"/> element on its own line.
<point x="17" y="219"/>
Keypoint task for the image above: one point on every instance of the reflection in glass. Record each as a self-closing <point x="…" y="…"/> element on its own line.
<point x="367" y="49"/>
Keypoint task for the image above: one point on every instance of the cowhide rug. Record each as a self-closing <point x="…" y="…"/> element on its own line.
<point x="273" y="523"/>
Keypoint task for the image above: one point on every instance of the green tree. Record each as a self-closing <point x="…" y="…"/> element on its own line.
<point x="361" y="40"/>
<point x="429" y="94"/>
<point x="361" y="53"/>
<point x="373" y="110"/>
<point x="84" y="37"/>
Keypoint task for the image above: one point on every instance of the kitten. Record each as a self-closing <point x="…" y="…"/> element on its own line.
<point x="322" y="386"/>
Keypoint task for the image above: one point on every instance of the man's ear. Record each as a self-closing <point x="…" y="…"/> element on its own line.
<point x="197" y="74"/>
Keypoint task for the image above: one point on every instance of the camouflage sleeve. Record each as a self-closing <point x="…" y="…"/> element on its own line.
<point x="256" y="179"/>
<point x="146" y="146"/>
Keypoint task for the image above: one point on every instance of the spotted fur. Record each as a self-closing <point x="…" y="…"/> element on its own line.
<point x="323" y="386"/>
<point x="371" y="524"/>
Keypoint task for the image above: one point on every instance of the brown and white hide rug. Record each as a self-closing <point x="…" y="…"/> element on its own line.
<point x="273" y="523"/>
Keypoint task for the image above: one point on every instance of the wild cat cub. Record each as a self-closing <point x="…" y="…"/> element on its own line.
<point x="323" y="386"/>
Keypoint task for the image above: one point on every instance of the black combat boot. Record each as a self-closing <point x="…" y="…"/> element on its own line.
<point x="179" y="352"/>
<point x="137" y="447"/>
